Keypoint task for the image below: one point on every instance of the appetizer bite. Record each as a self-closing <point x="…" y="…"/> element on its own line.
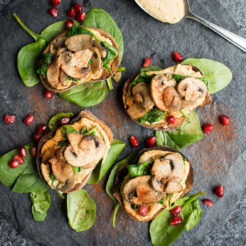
<point x="163" y="99"/>
<point x="68" y="155"/>
<point x="78" y="55"/>
<point x="158" y="177"/>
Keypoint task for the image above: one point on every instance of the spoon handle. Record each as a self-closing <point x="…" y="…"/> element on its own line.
<point x="231" y="37"/>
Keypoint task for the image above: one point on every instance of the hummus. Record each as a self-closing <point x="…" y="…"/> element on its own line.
<point x="171" y="11"/>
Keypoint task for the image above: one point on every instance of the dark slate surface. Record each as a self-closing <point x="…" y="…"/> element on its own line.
<point x="218" y="158"/>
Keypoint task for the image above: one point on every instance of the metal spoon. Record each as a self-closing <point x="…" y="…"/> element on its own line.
<point x="231" y="37"/>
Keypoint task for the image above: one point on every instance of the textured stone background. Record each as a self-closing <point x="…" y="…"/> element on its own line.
<point x="218" y="158"/>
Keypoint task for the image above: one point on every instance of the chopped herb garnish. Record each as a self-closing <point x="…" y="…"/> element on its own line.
<point x="154" y="115"/>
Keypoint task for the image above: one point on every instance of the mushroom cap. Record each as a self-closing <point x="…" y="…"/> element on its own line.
<point x="79" y="42"/>
<point x="53" y="72"/>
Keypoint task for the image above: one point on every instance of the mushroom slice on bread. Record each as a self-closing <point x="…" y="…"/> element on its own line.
<point x="79" y="42"/>
<point x="68" y="155"/>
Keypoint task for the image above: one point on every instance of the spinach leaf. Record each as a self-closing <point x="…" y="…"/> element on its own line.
<point x="68" y="129"/>
<point x="154" y="115"/>
<point x="42" y="70"/>
<point x="101" y="169"/>
<point x="52" y="30"/>
<point x="77" y="29"/>
<point x="110" y="182"/>
<point x="162" y="233"/>
<point x="76" y="169"/>
<point x="86" y="95"/>
<point x="81" y="210"/>
<point x="54" y="121"/>
<point x="26" y="62"/>
<point x="150" y="68"/>
<point x="142" y="169"/>
<point x="40" y="205"/>
<point x="99" y="18"/>
<point x="185" y="135"/>
<point x="217" y="74"/>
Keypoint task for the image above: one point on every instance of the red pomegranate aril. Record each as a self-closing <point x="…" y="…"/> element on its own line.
<point x="171" y="120"/>
<point x="134" y="141"/>
<point x="9" y="119"/>
<point x="64" y="121"/>
<point x="34" y="151"/>
<point x="13" y="163"/>
<point x="48" y="94"/>
<point x="208" y="202"/>
<point x="53" y="12"/>
<point x="71" y="13"/>
<point x="219" y="191"/>
<point x="225" y="120"/>
<point x="54" y="3"/>
<point x="176" y="210"/>
<point x="80" y="17"/>
<point x="36" y="137"/>
<point x="22" y="151"/>
<point x="177" y="57"/>
<point x="176" y="221"/>
<point x="150" y="141"/>
<point x="41" y="128"/>
<point x="143" y="210"/>
<point x="19" y="159"/>
<point x="78" y="8"/>
<point x="69" y="24"/>
<point x="208" y="128"/>
<point x="147" y="62"/>
<point x="28" y="119"/>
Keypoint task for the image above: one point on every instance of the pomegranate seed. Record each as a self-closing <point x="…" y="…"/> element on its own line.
<point x="78" y="8"/>
<point x="36" y="137"/>
<point x="28" y="119"/>
<point x="54" y="3"/>
<point x="134" y="141"/>
<point x="53" y="12"/>
<point x="208" y="128"/>
<point x="171" y="120"/>
<point x="41" y="128"/>
<point x="225" y="120"/>
<point x="219" y="191"/>
<point x="80" y="17"/>
<point x="208" y="202"/>
<point x="147" y="62"/>
<point x="176" y="210"/>
<point x="64" y="121"/>
<point x="22" y="151"/>
<point x="176" y="221"/>
<point x="19" y="159"/>
<point x="71" y="13"/>
<point x="13" y="163"/>
<point x="34" y="151"/>
<point x="143" y="210"/>
<point x="9" y="119"/>
<point x="69" y="24"/>
<point x="150" y="142"/>
<point x="48" y="94"/>
<point x="177" y="57"/>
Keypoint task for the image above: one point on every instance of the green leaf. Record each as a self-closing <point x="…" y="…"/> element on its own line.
<point x="101" y="169"/>
<point x="53" y="30"/>
<point x="99" y="18"/>
<point x="151" y="68"/>
<point x="163" y="234"/>
<point x="40" y="205"/>
<point x="81" y="210"/>
<point x="55" y="120"/>
<point x="76" y="170"/>
<point x="142" y="169"/>
<point x="68" y="129"/>
<point x="86" y="95"/>
<point x="154" y="115"/>
<point x="217" y="74"/>
<point x="188" y="133"/>
<point x="26" y="62"/>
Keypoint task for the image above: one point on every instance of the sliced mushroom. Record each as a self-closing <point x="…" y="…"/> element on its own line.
<point x="48" y="154"/>
<point x="142" y="95"/>
<point x="157" y="87"/>
<point x="60" y="153"/>
<point x="53" y="72"/>
<point x="68" y="185"/>
<point x="91" y="151"/>
<point x="57" y="43"/>
<point x="171" y="99"/>
<point x="61" y="170"/>
<point x="136" y="111"/>
<point x="102" y="50"/>
<point x="192" y="89"/>
<point x="96" y="65"/>
<point x="173" y="187"/>
<point x="177" y="164"/>
<point x="74" y="140"/>
<point x="64" y="79"/>
<point x="76" y="65"/>
<point x="79" y="42"/>
<point x="138" y="191"/>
